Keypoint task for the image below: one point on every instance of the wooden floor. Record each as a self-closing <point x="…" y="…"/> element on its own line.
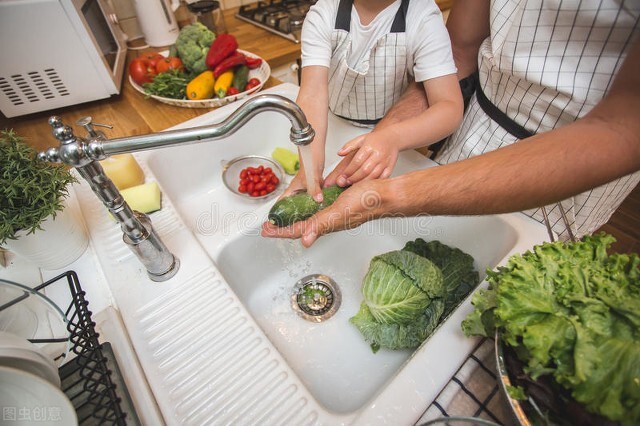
<point x="625" y="224"/>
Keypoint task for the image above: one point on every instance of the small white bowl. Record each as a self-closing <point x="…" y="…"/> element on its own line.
<point x="231" y="173"/>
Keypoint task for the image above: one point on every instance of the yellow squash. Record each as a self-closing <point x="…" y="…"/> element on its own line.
<point x="201" y="87"/>
<point x="223" y="83"/>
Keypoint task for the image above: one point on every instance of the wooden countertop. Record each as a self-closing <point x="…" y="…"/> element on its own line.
<point x="131" y="114"/>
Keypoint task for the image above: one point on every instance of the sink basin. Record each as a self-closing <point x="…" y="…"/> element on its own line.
<point x="331" y="357"/>
<point x="221" y="343"/>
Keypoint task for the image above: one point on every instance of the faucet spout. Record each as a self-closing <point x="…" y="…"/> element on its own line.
<point x="139" y="235"/>
<point x="301" y="131"/>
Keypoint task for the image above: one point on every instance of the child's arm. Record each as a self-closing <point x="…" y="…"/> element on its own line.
<point x="313" y="98"/>
<point x="374" y="155"/>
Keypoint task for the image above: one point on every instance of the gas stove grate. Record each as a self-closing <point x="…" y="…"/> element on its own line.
<point x="281" y="17"/>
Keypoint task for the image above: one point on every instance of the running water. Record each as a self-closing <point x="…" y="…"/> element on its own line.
<point x="307" y="160"/>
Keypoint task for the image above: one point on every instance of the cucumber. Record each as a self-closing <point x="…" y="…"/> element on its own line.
<point x="240" y="77"/>
<point x="301" y="206"/>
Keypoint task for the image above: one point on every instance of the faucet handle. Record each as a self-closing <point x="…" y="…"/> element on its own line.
<point x="88" y="124"/>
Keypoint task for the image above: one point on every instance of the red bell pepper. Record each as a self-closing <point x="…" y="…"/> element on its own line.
<point x="229" y="62"/>
<point x="221" y="48"/>
<point x="253" y="63"/>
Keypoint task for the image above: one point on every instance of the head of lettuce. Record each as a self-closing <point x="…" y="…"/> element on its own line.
<point x="571" y="311"/>
<point x="407" y="293"/>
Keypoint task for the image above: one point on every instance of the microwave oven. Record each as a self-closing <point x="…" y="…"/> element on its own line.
<point x="57" y="53"/>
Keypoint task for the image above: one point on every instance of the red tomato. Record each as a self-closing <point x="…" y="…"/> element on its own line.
<point x="153" y="58"/>
<point x="143" y="68"/>
<point x="257" y="181"/>
<point x="251" y="84"/>
<point x="170" y="63"/>
<point x="232" y="91"/>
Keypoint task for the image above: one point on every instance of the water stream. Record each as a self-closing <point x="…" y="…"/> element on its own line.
<point x="306" y="156"/>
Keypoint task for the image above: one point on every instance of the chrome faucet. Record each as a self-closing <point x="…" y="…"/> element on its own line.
<point x="139" y="235"/>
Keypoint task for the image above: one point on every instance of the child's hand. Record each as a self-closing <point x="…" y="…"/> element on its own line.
<point x="299" y="183"/>
<point x="370" y="158"/>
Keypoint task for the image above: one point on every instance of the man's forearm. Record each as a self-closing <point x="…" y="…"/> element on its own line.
<point x="538" y="171"/>
<point x="468" y="26"/>
<point x="543" y="169"/>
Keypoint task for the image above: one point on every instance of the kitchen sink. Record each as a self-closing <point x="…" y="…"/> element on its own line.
<point x="223" y="341"/>
<point x="331" y="357"/>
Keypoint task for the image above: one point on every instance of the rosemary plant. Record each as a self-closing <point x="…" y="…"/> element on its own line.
<point x="30" y="190"/>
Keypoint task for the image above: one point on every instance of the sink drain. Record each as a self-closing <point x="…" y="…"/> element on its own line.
<point x="316" y="297"/>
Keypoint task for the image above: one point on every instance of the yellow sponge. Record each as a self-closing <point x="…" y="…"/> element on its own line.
<point x="145" y="198"/>
<point x="123" y="170"/>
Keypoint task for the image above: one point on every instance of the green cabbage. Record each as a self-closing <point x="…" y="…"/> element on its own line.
<point x="458" y="274"/>
<point x="573" y="312"/>
<point x="406" y="295"/>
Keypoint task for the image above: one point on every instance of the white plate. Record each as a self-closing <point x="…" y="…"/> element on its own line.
<point x="31" y="315"/>
<point x="27" y="399"/>
<point x="17" y="352"/>
<point x="262" y="73"/>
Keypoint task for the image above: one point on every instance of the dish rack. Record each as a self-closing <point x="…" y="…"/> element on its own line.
<point x="87" y="378"/>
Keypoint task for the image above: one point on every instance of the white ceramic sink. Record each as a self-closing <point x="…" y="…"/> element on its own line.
<point x="220" y="342"/>
<point x="331" y="357"/>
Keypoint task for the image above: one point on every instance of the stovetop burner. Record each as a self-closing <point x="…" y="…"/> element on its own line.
<point x="282" y="17"/>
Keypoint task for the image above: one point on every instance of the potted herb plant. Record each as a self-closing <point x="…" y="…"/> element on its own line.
<point x="35" y="222"/>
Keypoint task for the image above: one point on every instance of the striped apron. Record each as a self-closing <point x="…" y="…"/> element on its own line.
<point x="365" y="96"/>
<point x="546" y="64"/>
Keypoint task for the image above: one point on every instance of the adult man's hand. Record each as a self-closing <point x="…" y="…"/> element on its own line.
<point x="358" y="204"/>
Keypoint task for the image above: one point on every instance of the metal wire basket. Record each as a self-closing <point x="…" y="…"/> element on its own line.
<point x="87" y="378"/>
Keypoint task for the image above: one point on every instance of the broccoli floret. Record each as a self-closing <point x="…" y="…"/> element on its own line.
<point x="193" y="44"/>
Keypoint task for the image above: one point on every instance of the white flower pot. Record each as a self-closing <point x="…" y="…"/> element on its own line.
<point x="60" y="241"/>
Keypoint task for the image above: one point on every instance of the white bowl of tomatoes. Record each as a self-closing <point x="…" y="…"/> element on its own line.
<point x="253" y="176"/>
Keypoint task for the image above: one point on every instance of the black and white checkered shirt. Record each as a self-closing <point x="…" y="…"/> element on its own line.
<point x="546" y="63"/>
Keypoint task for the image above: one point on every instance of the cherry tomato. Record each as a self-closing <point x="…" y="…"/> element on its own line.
<point x="232" y="91"/>
<point x="257" y="181"/>
<point x="252" y="83"/>
<point x="170" y="63"/>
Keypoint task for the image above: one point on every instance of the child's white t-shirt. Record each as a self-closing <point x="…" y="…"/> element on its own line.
<point x="428" y="43"/>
